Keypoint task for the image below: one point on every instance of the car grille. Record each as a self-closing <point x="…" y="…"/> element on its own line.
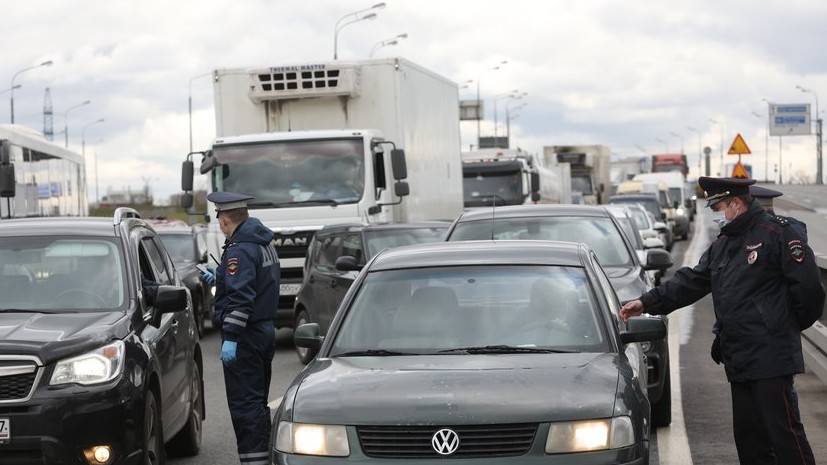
<point x="400" y="442"/>
<point x="17" y="379"/>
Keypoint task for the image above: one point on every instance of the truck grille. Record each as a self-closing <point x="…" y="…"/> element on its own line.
<point x="301" y="81"/>
<point x="17" y="379"/>
<point x="292" y="245"/>
<point x="405" y="442"/>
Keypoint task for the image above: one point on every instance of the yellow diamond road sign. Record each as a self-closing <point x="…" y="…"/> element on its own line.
<point x="739" y="146"/>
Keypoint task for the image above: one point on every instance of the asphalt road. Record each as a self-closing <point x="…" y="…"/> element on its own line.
<point x="701" y="432"/>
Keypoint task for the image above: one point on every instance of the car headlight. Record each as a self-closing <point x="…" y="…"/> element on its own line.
<point x="681" y="212"/>
<point x="590" y="435"/>
<point x="98" y="366"/>
<point x="309" y="439"/>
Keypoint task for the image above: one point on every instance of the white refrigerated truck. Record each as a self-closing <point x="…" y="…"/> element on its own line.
<point x="322" y="143"/>
<point x="507" y="177"/>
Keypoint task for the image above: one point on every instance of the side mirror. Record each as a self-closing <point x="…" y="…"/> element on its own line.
<point x="658" y="259"/>
<point x="169" y="299"/>
<point x="653" y="243"/>
<point x="5" y="152"/>
<point x="535" y="196"/>
<point x="535" y="182"/>
<point x="643" y="328"/>
<point x="208" y="162"/>
<point x="401" y="189"/>
<point x="398" y="164"/>
<point x="309" y="337"/>
<point x="675" y="204"/>
<point x="347" y="263"/>
<point x="187" y="200"/>
<point x="660" y="226"/>
<point x="187" y="173"/>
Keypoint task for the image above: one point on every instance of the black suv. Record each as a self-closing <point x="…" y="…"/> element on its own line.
<point x="335" y="255"/>
<point x="92" y="369"/>
<point x="187" y="246"/>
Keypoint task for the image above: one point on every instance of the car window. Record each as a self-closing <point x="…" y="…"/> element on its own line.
<point x="352" y="245"/>
<point x="608" y="292"/>
<point x="433" y="309"/>
<point x="631" y="232"/>
<point x="61" y="273"/>
<point x="599" y="233"/>
<point x="379" y="240"/>
<point x="156" y="259"/>
<point x="328" y="251"/>
<point x="201" y="244"/>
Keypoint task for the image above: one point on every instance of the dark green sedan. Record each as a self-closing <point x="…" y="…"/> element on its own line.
<point x="484" y="351"/>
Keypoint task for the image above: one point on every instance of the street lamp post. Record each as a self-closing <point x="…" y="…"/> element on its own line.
<point x="17" y="86"/>
<point x="355" y="17"/>
<point x="819" y="178"/>
<point x="513" y="94"/>
<point x="66" y="120"/>
<point x="721" y="168"/>
<point x="83" y="151"/>
<point x="766" y="145"/>
<point x="700" y="153"/>
<point x="479" y="102"/>
<point x="97" y="195"/>
<point x="45" y="63"/>
<point x="665" y="145"/>
<point x="387" y="42"/>
<point x="508" y="118"/>
<point x="190" y="102"/>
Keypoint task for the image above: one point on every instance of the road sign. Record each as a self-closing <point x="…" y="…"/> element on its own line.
<point x="789" y="119"/>
<point x="739" y="146"/>
<point x="739" y="171"/>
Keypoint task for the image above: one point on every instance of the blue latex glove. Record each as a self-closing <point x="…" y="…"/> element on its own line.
<point x="208" y="277"/>
<point x="228" y="351"/>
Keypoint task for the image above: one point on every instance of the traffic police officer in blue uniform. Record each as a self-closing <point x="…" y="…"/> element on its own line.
<point x="246" y="298"/>
<point x="766" y="288"/>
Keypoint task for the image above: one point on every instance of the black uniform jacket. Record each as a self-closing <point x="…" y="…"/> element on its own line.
<point x="766" y="288"/>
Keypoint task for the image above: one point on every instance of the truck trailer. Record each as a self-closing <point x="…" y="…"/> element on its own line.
<point x="321" y="143"/>
<point x="590" y="171"/>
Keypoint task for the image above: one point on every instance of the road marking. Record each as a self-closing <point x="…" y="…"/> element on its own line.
<point x="673" y="443"/>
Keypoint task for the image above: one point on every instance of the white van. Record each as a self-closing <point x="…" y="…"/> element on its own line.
<point x="678" y="198"/>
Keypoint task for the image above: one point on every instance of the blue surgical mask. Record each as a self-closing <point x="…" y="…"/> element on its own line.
<point x="719" y="218"/>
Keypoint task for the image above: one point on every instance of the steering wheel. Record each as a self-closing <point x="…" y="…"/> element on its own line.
<point x="81" y="295"/>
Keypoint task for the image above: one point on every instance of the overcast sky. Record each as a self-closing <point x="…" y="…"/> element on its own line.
<point x="622" y="73"/>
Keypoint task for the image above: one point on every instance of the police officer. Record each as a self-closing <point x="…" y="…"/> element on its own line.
<point x="765" y="196"/>
<point x="246" y="298"/>
<point x="766" y="288"/>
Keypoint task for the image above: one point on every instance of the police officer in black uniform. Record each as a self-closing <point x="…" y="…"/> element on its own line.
<point x="766" y="288"/>
<point x="765" y="196"/>
<point x="246" y="298"/>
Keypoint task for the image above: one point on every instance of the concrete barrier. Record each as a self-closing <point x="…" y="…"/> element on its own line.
<point x="814" y="338"/>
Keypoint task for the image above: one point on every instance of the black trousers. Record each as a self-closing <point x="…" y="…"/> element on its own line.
<point x="767" y="423"/>
<point x="247" y="382"/>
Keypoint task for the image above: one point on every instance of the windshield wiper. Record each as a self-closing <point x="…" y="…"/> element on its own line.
<point x="21" y="310"/>
<point x="503" y="349"/>
<point x="372" y="353"/>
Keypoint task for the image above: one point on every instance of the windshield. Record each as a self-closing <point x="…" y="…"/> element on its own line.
<point x="675" y="193"/>
<point x="599" y="233"/>
<point x="181" y="247"/>
<point x="484" y="188"/>
<point x="284" y="172"/>
<point x="650" y="204"/>
<point x="438" y="309"/>
<point x="57" y="274"/>
<point x="640" y="218"/>
<point x="380" y="240"/>
<point x="581" y="184"/>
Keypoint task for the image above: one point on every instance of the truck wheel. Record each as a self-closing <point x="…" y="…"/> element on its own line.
<point x="187" y="442"/>
<point x="152" y="441"/>
<point x="305" y="355"/>
<point x="662" y="410"/>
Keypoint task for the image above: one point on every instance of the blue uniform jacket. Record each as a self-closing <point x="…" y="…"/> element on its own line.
<point x="766" y="288"/>
<point x="247" y="280"/>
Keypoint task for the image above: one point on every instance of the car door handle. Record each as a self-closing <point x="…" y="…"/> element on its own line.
<point x="174" y="325"/>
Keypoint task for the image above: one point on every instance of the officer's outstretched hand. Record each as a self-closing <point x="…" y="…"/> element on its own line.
<point x="715" y="351"/>
<point x="228" y="349"/>
<point x="632" y="308"/>
<point x="208" y="277"/>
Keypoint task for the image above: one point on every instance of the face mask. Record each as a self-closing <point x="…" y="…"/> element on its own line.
<point x="719" y="217"/>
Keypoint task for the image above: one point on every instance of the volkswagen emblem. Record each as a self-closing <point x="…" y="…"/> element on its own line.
<point x="445" y="441"/>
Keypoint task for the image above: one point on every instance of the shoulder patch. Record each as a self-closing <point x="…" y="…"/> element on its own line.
<point x="796" y="250"/>
<point x="233" y="265"/>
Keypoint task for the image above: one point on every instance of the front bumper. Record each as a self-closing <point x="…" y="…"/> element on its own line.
<point x="57" y="424"/>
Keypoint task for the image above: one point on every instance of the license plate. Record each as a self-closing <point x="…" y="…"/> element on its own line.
<point x="289" y="289"/>
<point x="5" y="430"/>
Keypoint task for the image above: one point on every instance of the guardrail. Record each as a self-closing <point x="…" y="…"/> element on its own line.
<point x="814" y="338"/>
